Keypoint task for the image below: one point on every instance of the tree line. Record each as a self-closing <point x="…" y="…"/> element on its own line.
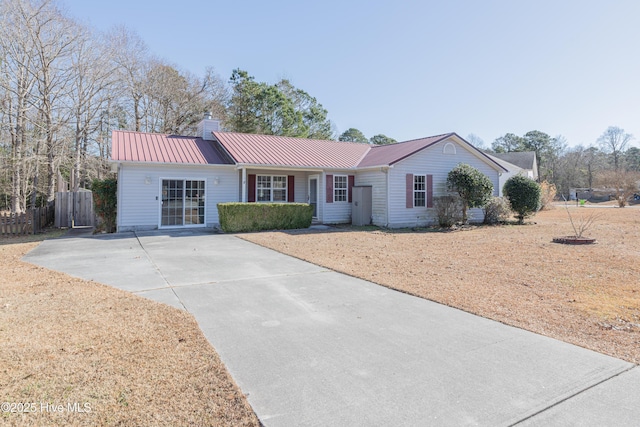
<point x="65" y="86"/>
<point x="610" y="162"/>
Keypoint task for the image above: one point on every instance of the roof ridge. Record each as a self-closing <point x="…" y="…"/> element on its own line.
<point x="150" y="133"/>
<point x="424" y="137"/>
<point x="295" y="137"/>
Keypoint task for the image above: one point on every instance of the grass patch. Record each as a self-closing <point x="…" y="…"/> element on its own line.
<point x="107" y="357"/>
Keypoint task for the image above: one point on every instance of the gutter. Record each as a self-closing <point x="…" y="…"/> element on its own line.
<point x="120" y="162"/>
<point x="240" y="166"/>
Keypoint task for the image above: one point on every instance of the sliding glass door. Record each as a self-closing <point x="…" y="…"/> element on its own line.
<point x="182" y="203"/>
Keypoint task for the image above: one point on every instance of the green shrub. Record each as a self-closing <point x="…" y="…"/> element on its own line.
<point x="524" y="196"/>
<point x="240" y="217"/>
<point x="497" y="210"/>
<point x="105" y="201"/>
<point x="474" y="187"/>
<point x="448" y="210"/>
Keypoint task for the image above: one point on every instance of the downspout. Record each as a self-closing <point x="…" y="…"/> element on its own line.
<point x="387" y="213"/>
<point x="117" y="169"/>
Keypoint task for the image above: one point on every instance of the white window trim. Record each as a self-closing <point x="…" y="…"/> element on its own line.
<point x="271" y="188"/>
<point x="420" y="191"/>
<point x="346" y="189"/>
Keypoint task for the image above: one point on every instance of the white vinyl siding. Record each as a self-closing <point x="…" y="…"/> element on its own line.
<point x="139" y="192"/>
<point x="336" y="212"/>
<point x="430" y="161"/>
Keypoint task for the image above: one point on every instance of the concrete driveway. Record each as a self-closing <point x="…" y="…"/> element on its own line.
<point x="312" y="347"/>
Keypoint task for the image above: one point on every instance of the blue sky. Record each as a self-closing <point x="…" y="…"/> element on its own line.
<point x="410" y="69"/>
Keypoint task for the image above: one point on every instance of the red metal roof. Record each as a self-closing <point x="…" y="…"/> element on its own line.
<point x="381" y="155"/>
<point x="292" y="152"/>
<point x="160" y="148"/>
<point x="267" y="150"/>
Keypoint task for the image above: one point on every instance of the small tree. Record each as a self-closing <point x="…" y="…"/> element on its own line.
<point x="524" y="196"/>
<point x="474" y="187"/>
<point x="105" y="201"/>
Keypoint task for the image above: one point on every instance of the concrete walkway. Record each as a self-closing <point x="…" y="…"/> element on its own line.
<point x="312" y="347"/>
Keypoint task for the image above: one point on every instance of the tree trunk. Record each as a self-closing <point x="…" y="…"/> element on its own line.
<point x="75" y="173"/>
<point x="16" y="163"/>
<point x="136" y="111"/>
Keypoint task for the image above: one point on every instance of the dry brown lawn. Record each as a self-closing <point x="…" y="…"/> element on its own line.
<point x="585" y="295"/>
<point x="122" y="359"/>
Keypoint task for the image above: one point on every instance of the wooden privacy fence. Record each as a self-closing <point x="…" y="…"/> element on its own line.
<point x="74" y="209"/>
<point x="29" y="222"/>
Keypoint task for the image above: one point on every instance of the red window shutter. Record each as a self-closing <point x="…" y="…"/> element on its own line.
<point x="409" y="190"/>
<point x="429" y="191"/>
<point x="329" y="188"/>
<point x="291" y="188"/>
<point x="251" y="197"/>
<point x="352" y="182"/>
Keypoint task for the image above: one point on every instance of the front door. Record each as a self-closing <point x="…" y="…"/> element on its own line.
<point x="182" y="203"/>
<point x="313" y="194"/>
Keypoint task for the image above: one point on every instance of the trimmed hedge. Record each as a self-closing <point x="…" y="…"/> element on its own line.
<point x="239" y="217"/>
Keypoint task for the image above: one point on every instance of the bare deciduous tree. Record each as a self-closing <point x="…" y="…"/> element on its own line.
<point x="614" y="140"/>
<point x="132" y="61"/>
<point x="177" y="99"/>
<point x="93" y="88"/>
<point x="18" y="81"/>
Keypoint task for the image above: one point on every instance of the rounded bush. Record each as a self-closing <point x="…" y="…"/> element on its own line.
<point x="473" y="187"/>
<point x="523" y="195"/>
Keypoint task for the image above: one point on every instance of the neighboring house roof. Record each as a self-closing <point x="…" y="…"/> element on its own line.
<point x="508" y="166"/>
<point x="522" y="159"/>
<point x="127" y="146"/>
<point x="271" y="150"/>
